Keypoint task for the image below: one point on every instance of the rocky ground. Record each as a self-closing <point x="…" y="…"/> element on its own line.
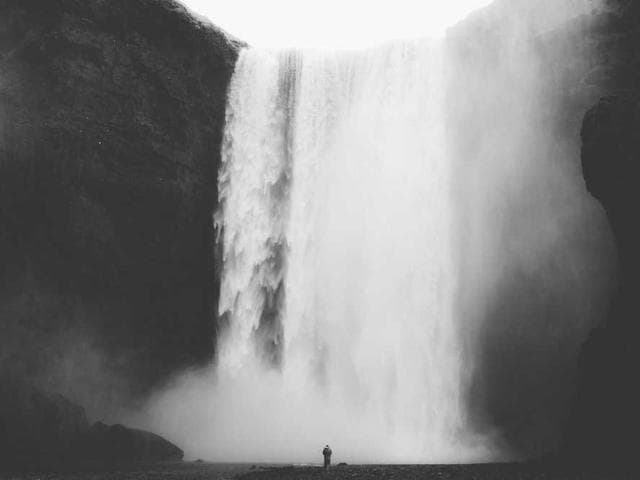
<point x="164" y="471"/>
<point x="440" y="472"/>
<point x="201" y="471"/>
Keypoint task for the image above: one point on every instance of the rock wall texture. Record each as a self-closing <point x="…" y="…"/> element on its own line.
<point x="111" y="118"/>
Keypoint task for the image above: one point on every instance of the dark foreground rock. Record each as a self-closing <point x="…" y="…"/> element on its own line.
<point x="38" y="428"/>
<point x="117" y="443"/>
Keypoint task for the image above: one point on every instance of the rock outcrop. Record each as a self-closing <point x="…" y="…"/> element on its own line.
<point x="43" y="430"/>
<point x="117" y="443"/>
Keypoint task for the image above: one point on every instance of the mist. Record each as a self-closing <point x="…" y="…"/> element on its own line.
<point x="537" y="262"/>
<point x="344" y="319"/>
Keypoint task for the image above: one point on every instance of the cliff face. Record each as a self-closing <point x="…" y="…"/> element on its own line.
<point x="111" y="118"/>
<point x="606" y="417"/>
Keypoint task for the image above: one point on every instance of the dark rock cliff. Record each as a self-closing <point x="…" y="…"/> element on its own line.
<point x="111" y="118"/>
<point x="606" y="417"/>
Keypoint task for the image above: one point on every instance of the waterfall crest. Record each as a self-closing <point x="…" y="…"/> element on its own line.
<point x="338" y="281"/>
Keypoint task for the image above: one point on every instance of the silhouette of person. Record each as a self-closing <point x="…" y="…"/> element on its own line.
<point x="327" y="456"/>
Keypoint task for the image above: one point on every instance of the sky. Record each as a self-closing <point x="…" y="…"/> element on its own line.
<point x="332" y="23"/>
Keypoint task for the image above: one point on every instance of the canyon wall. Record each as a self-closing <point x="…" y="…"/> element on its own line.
<point x="111" y="120"/>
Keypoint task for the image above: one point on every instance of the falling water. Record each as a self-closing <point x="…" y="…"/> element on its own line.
<point x="337" y="323"/>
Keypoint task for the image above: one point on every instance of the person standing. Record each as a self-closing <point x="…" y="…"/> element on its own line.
<point x="327" y="456"/>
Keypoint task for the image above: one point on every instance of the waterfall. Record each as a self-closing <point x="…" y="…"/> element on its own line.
<point x="337" y="322"/>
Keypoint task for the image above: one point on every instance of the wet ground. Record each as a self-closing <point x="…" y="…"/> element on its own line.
<point x="202" y="471"/>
